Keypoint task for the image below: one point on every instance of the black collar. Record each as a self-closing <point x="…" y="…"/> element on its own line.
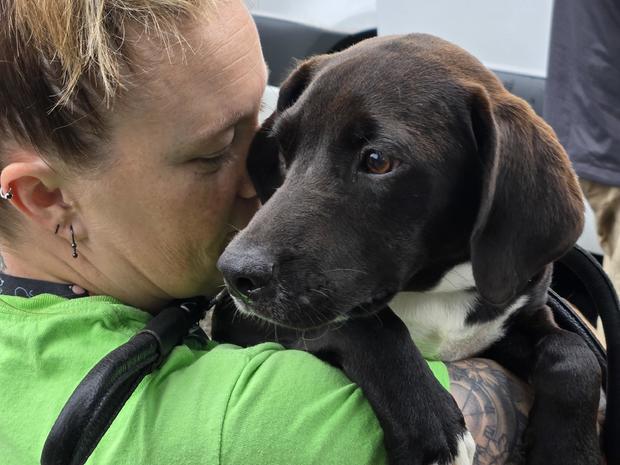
<point x="25" y="287"/>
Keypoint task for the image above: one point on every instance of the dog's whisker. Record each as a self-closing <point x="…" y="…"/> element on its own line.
<point x="275" y="331"/>
<point x="235" y="314"/>
<point x="321" y="293"/>
<point x="335" y="325"/>
<point x="235" y="228"/>
<point x="346" y="269"/>
<point x="451" y="283"/>
<point x="303" y="340"/>
<point x="459" y="274"/>
<point x="317" y="315"/>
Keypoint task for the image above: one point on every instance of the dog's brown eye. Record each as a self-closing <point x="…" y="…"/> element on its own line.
<point x="376" y="163"/>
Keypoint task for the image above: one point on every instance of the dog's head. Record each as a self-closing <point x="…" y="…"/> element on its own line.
<point x="386" y="165"/>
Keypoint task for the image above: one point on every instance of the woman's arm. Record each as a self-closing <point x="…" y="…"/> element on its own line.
<point x="495" y="404"/>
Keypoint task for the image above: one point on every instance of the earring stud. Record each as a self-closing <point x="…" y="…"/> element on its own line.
<point x="8" y="195"/>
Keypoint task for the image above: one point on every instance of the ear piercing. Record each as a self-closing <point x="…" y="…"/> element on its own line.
<point x="8" y="195"/>
<point x="74" y="252"/>
<point x="73" y="244"/>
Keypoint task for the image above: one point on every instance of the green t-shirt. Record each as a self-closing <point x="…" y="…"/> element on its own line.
<point x="223" y="405"/>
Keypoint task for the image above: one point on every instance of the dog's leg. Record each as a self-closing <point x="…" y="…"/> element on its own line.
<point x="421" y="421"/>
<point x="566" y="378"/>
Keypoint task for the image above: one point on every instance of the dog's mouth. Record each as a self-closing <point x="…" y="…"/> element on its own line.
<point x="374" y="305"/>
<point x="300" y="313"/>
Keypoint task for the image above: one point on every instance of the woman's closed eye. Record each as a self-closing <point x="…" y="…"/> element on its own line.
<point x="212" y="162"/>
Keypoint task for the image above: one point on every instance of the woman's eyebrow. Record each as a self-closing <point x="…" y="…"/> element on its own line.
<point x="226" y="121"/>
<point x="204" y="136"/>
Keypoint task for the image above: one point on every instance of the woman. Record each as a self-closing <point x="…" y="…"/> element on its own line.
<point x="124" y="131"/>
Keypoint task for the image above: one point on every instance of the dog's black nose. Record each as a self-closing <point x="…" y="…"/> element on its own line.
<point x="246" y="273"/>
<point x="247" y="281"/>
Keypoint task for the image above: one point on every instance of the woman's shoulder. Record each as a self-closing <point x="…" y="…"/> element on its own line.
<point x="289" y="404"/>
<point x="219" y="404"/>
<point x="279" y="377"/>
<point x="261" y="405"/>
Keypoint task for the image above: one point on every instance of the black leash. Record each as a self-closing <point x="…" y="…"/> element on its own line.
<point x="567" y="318"/>
<point x="99" y="397"/>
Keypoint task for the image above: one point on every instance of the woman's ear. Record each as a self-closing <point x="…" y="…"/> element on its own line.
<point x="36" y="190"/>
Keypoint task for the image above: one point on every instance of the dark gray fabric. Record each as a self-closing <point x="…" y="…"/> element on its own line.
<point x="284" y="41"/>
<point x="582" y="100"/>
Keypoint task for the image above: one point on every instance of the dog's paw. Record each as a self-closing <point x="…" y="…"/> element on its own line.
<point x="439" y="435"/>
<point x="450" y="443"/>
<point x="447" y="448"/>
<point x="465" y="451"/>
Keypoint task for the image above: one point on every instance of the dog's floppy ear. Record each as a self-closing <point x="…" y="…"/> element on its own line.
<point x="295" y="84"/>
<point x="263" y="162"/>
<point x="531" y="209"/>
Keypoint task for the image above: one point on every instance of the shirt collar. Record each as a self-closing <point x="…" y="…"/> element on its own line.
<point x="26" y="287"/>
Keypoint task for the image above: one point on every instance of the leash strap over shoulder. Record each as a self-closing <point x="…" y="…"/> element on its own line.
<point x="99" y="397"/>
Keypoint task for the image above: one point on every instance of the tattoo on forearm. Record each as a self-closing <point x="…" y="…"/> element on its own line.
<point x="495" y="405"/>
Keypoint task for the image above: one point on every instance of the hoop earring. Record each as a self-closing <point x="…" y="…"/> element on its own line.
<point x="73" y="244"/>
<point x="8" y="195"/>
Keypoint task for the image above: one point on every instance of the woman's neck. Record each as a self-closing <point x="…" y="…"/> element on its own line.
<point x="40" y="264"/>
<point x="12" y="265"/>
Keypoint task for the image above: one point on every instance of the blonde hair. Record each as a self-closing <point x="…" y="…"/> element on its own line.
<point x="62" y="63"/>
<point x="88" y="36"/>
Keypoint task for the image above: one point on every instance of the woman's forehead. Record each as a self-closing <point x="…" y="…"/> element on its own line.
<point x="219" y="72"/>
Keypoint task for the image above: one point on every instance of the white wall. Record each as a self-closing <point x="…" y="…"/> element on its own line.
<point x="349" y="16"/>
<point x="268" y="105"/>
<point x="506" y="35"/>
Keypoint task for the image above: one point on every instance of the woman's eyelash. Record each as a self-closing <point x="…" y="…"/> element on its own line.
<point x="218" y="157"/>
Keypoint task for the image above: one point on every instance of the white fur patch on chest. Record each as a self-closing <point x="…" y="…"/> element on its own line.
<point x="436" y="318"/>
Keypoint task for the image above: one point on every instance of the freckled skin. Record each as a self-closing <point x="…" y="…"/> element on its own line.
<point x="152" y="222"/>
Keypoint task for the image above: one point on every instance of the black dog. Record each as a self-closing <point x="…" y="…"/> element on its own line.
<point x="402" y="164"/>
